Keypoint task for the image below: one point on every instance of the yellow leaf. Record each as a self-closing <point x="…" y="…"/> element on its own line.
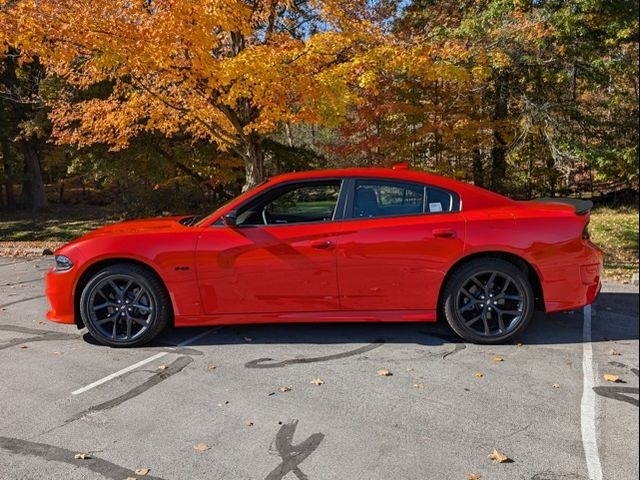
<point x="498" y="457"/>
<point x="317" y="381"/>
<point x="384" y="373"/>
<point x="201" y="447"/>
<point x="141" y="471"/>
<point x="478" y="374"/>
<point x="610" y="377"/>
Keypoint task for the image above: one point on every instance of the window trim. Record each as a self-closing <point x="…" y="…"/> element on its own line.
<point x="337" y="213"/>
<point x="455" y="203"/>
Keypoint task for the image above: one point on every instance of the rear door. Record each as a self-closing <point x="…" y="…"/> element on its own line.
<point x="397" y="241"/>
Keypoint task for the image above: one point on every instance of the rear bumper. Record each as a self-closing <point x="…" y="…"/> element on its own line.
<point x="572" y="286"/>
<point x="59" y="291"/>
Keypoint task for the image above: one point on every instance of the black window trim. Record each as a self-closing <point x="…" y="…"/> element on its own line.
<point x="455" y="203"/>
<point x="337" y="213"/>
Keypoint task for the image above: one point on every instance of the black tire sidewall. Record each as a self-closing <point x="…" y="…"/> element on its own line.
<point x="461" y="276"/>
<point x="146" y="279"/>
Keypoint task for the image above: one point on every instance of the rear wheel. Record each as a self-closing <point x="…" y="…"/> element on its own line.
<point x="488" y="300"/>
<point x="124" y="305"/>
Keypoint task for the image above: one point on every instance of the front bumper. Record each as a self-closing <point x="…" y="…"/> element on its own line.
<point x="59" y="291"/>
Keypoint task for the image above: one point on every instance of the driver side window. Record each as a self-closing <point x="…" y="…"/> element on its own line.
<point x="298" y="204"/>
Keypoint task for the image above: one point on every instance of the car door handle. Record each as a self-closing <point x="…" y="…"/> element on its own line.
<point x="322" y="244"/>
<point x="444" y="233"/>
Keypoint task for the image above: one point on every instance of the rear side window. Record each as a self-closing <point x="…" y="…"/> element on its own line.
<point x="380" y="198"/>
<point x="439" y="201"/>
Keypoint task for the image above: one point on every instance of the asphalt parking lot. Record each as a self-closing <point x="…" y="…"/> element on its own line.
<point x="239" y="402"/>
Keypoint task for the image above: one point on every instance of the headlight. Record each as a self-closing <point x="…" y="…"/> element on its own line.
<point x="62" y="263"/>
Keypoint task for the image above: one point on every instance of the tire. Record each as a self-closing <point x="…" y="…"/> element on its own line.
<point x="125" y="305"/>
<point x="488" y="301"/>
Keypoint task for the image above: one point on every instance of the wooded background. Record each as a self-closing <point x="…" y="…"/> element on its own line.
<point x="165" y="105"/>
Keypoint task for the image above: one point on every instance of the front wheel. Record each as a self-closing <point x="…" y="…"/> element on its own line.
<point x="488" y="300"/>
<point x="124" y="305"/>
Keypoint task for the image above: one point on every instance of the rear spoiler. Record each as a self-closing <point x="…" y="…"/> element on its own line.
<point x="582" y="207"/>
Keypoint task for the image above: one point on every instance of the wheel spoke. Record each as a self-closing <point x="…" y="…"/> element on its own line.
<point x="126" y="287"/>
<point x="141" y="307"/>
<point x="469" y="295"/>
<point x="140" y="321"/>
<point x="478" y="283"/>
<point x="473" y="320"/>
<point x="116" y="289"/>
<point x="500" y="322"/>
<point x="492" y="279"/>
<point x="468" y="306"/>
<point x="129" y="323"/>
<point x="485" y="321"/>
<point x="102" y="305"/>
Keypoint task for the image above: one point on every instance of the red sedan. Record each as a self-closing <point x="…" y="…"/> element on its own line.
<point x="354" y="245"/>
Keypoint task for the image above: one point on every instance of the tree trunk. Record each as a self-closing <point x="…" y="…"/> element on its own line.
<point x="37" y="197"/>
<point x="253" y="156"/>
<point x="478" y="171"/>
<point x="8" y="174"/>
<point x="499" y="149"/>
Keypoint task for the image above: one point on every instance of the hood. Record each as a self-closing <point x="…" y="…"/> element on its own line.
<point x="146" y="225"/>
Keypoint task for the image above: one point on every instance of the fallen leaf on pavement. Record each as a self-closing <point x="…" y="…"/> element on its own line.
<point x="610" y="377"/>
<point x="473" y="476"/>
<point x="519" y="344"/>
<point x="317" y="381"/>
<point x="211" y="366"/>
<point x="249" y="423"/>
<point x="418" y="385"/>
<point x="82" y="456"/>
<point x="498" y="457"/>
<point x="555" y="385"/>
<point x="478" y="374"/>
<point x="24" y="346"/>
<point x="384" y="373"/>
<point x="284" y="389"/>
<point x="615" y="353"/>
<point x="201" y="447"/>
<point x="162" y="367"/>
<point x="141" y="471"/>
<point x="498" y="358"/>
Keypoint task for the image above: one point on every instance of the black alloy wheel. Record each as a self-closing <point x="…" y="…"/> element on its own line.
<point x="124" y="305"/>
<point x="488" y="300"/>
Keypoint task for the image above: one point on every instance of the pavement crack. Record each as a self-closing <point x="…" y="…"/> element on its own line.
<point x="57" y="454"/>
<point x="262" y="362"/>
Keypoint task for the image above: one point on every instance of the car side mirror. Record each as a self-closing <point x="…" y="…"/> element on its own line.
<point x="230" y="219"/>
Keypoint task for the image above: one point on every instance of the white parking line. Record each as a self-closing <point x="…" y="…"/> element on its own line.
<point x="588" y="404"/>
<point x="140" y="363"/>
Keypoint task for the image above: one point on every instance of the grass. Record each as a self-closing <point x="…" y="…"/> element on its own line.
<point x="616" y="232"/>
<point x="613" y="230"/>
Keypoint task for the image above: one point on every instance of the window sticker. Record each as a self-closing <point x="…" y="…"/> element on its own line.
<point x="435" y="207"/>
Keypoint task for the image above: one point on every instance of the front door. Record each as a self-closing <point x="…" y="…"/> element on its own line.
<point x="280" y="257"/>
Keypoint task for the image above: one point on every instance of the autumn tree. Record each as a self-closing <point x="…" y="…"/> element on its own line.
<point x="226" y="71"/>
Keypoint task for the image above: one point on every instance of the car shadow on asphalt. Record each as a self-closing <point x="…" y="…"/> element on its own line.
<point x="616" y="318"/>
